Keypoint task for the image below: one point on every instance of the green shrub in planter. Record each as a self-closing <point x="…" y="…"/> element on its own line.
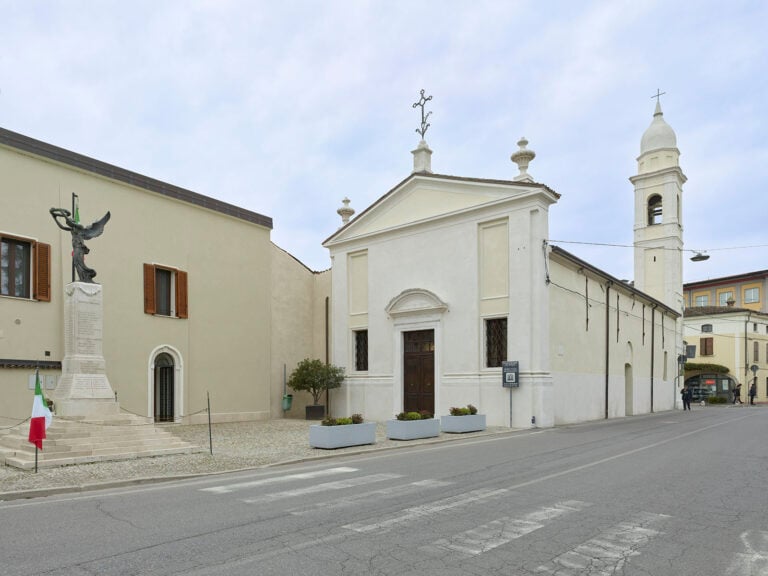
<point x="717" y="400"/>
<point x="466" y="411"/>
<point x="354" y="419"/>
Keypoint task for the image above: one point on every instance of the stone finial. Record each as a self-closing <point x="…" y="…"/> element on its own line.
<point x="522" y="158"/>
<point x="422" y="158"/>
<point x="345" y="212"/>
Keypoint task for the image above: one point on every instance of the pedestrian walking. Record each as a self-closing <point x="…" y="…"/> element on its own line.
<point x="752" y="393"/>
<point x="686" y="394"/>
<point x="737" y="394"/>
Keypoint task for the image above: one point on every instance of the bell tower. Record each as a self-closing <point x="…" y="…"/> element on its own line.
<point x="658" y="225"/>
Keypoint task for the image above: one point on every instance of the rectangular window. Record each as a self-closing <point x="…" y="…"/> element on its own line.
<point x="724" y="297"/>
<point x="707" y="346"/>
<point x="702" y="300"/>
<point x="690" y="351"/>
<point x="495" y="342"/>
<point x="361" y="350"/>
<point x="751" y="295"/>
<point x="165" y="291"/>
<point x="25" y="269"/>
<point x="756" y="352"/>
<point x="706" y="327"/>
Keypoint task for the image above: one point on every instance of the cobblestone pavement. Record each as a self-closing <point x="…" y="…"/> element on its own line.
<point x="236" y="446"/>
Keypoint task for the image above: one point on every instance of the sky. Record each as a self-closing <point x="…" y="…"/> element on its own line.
<point x="285" y="108"/>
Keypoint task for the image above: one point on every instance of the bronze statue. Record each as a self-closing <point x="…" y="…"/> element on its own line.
<point x="80" y="233"/>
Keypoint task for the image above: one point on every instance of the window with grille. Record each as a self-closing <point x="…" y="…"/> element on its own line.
<point x="495" y="342"/>
<point x="25" y="268"/>
<point x="707" y="346"/>
<point x="756" y="352"/>
<point x="706" y="327"/>
<point x="361" y="350"/>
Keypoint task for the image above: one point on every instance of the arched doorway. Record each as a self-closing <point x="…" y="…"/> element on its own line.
<point x="629" y="406"/>
<point x="164" y="388"/>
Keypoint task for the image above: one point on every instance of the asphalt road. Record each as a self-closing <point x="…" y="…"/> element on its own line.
<point x="677" y="493"/>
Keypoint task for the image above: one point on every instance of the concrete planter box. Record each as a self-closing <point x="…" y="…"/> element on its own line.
<point x="413" y="429"/>
<point x="461" y="424"/>
<point x="330" y="437"/>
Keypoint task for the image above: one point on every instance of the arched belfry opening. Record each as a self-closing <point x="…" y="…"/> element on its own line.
<point x="654" y="210"/>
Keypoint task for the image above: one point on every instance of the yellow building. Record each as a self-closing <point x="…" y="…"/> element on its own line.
<point x="746" y="291"/>
<point x="736" y="338"/>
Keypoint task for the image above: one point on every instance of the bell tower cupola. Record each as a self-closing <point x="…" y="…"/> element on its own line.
<point x="658" y="228"/>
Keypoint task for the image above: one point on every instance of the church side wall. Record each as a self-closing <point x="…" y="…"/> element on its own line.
<point x="224" y="344"/>
<point x="580" y="336"/>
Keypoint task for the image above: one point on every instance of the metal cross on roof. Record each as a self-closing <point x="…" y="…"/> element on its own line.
<point x="658" y="95"/>
<point x="422" y="101"/>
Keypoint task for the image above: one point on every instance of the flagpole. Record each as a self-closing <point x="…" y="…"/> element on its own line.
<point x="35" y="458"/>
<point x="74" y="211"/>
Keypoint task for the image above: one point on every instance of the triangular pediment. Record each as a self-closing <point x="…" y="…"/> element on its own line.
<point x="421" y="198"/>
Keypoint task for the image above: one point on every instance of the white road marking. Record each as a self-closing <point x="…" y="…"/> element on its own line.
<point x="416" y="512"/>
<point x="277" y="480"/>
<point x="504" y="530"/>
<point x="608" y="552"/>
<point x="754" y="559"/>
<point x="365" y="496"/>
<point x="338" y="485"/>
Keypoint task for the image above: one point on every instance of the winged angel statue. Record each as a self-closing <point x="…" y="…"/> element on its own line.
<point x="80" y="234"/>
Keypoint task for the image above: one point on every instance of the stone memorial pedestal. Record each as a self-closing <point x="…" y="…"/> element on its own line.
<point x="83" y="389"/>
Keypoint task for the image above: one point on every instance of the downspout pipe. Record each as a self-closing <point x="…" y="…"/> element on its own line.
<point x="653" y="348"/>
<point x="607" y="342"/>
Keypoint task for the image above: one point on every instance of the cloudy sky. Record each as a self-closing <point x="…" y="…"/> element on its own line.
<point x="285" y="108"/>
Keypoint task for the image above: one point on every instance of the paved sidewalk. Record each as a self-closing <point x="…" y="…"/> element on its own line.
<point x="236" y="446"/>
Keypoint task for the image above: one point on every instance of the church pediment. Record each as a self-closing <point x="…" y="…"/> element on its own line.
<point x="415" y="301"/>
<point x="422" y="198"/>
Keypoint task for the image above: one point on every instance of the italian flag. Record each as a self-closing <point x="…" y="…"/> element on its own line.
<point x="41" y="416"/>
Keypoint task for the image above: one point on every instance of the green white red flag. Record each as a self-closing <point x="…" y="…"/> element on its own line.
<point x="41" y="416"/>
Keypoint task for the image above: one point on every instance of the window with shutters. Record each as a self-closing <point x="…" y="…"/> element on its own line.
<point x="165" y="291"/>
<point x="495" y="342"/>
<point x="25" y="268"/>
<point x="707" y="346"/>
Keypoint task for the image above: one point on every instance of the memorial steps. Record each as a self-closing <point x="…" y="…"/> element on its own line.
<point x="81" y="440"/>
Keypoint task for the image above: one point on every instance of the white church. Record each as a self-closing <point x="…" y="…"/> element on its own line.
<point x="443" y="279"/>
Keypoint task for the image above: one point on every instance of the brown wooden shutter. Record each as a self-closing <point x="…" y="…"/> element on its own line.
<point x="707" y="346"/>
<point x="42" y="284"/>
<point x="149" y="289"/>
<point x="181" y="294"/>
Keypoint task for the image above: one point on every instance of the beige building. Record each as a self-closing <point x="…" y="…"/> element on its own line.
<point x="188" y="288"/>
<point x="736" y="338"/>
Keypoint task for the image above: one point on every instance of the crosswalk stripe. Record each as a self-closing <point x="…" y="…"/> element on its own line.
<point x="426" y="510"/>
<point x="608" y="552"/>
<point x="389" y="492"/>
<point x="338" y="485"/>
<point x="504" y="530"/>
<point x="277" y="480"/>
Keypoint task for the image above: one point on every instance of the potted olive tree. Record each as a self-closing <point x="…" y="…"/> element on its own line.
<point x="315" y="377"/>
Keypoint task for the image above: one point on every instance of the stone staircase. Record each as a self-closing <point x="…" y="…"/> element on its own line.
<point x="81" y="440"/>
